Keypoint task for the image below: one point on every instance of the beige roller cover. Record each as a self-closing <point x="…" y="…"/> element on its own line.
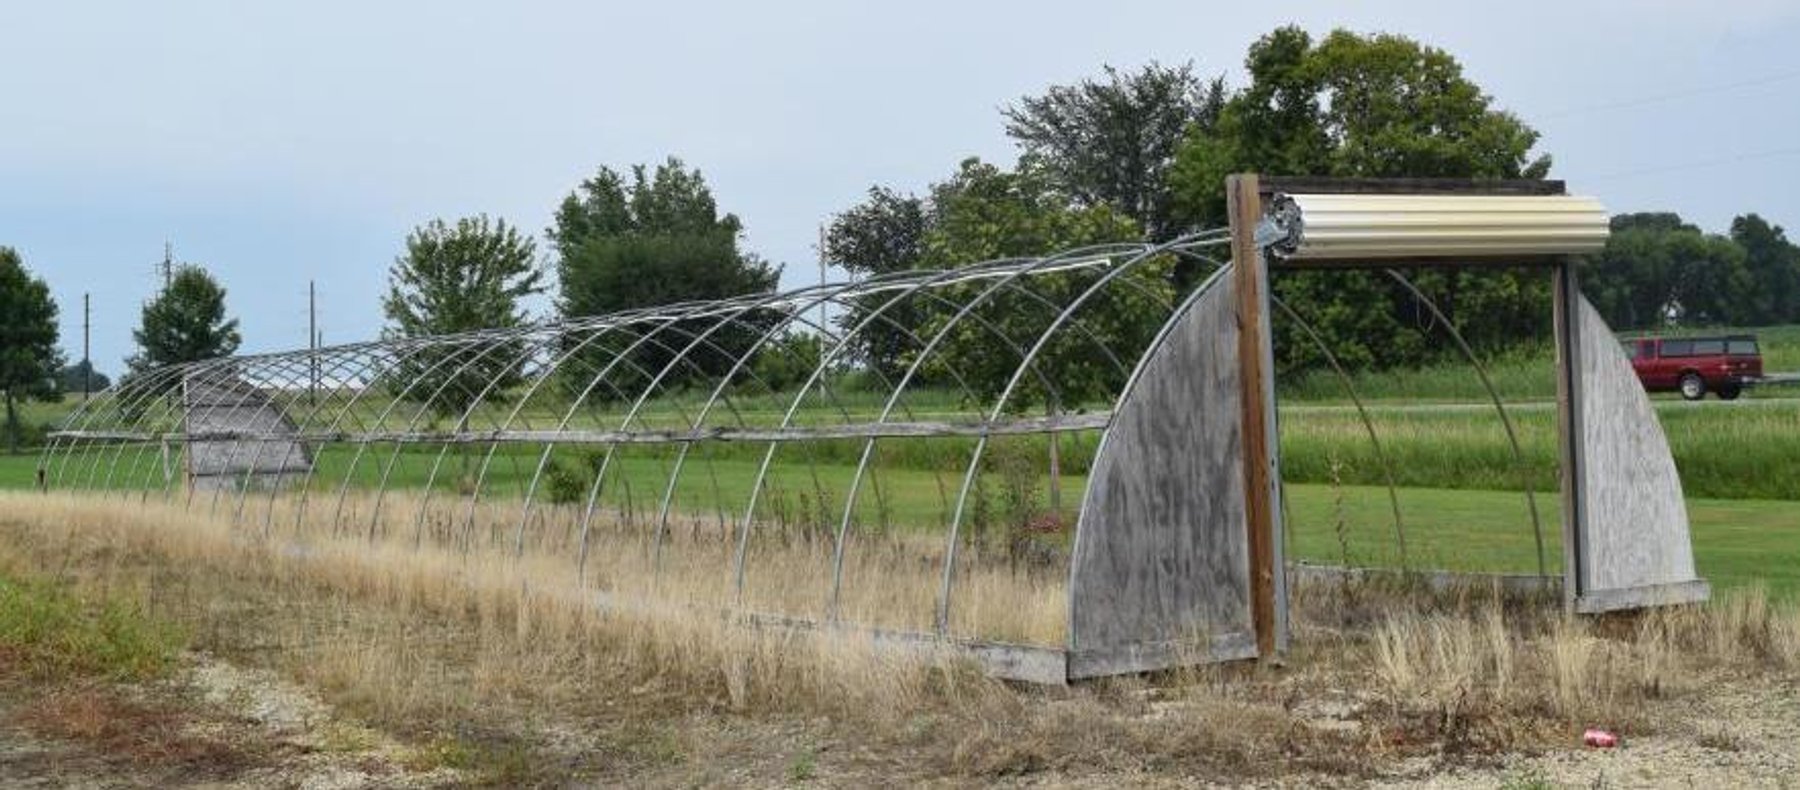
<point x="1377" y="227"/>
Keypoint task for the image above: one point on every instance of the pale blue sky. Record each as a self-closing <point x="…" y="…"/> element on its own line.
<point x="274" y="143"/>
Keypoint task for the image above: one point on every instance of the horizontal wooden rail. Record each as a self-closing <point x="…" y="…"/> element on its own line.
<point x="867" y="430"/>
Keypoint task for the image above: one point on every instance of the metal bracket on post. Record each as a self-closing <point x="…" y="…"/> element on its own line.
<point x="1262" y="472"/>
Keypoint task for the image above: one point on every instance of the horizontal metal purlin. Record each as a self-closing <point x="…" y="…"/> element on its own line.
<point x="1059" y="424"/>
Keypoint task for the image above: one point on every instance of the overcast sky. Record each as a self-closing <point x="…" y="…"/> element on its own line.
<point x="276" y="143"/>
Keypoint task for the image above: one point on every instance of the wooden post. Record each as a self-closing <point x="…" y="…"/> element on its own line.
<point x="1568" y="425"/>
<point x="1050" y="411"/>
<point x="1250" y="275"/>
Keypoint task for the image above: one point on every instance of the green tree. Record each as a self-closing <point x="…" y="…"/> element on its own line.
<point x="656" y="239"/>
<point x="1351" y="105"/>
<point x="786" y="361"/>
<point x="1656" y="268"/>
<point x="984" y="213"/>
<point x="1773" y="265"/>
<point x="184" y="323"/>
<point x="883" y="234"/>
<point x="29" y="358"/>
<point x="1113" y="140"/>
<point x="1380" y="105"/>
<point x="82" y="376"/>
<point x="459" y="278"/>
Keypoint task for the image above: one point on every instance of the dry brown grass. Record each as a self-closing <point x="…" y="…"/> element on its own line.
<point x="889" y="580"/>
<point x="531" y="616"/>
<point x="1476" y="673"/>
<point x="483" y="653"/>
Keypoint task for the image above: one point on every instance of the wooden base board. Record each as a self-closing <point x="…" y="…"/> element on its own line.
<point x="1601" y="601"/>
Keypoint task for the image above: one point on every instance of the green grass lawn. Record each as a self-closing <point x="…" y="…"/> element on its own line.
<point x="1748" y="449"/>
<point x="1737" y="543"/>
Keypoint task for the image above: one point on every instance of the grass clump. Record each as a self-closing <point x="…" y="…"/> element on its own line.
<point x="54" y="634"/>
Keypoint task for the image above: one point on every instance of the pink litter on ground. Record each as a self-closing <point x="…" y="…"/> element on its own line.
<point x="1600" y="739"/>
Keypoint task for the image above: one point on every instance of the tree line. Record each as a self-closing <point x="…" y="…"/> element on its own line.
<point x="1658" y="270"/>
<point x="1122" y="156"/>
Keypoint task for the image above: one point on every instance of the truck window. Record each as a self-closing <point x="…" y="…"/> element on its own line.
<point x="1708" y="348"/>
<point x="1678" y="348"/>
<point x="1741" y="346"/>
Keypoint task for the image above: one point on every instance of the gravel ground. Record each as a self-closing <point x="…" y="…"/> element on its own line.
<point x="284" y="736"/>
<point x="1740" y="735"/>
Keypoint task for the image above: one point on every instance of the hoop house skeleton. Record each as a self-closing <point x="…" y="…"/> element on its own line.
<point x="652" y="450"/>
<point x="744" y="455"/>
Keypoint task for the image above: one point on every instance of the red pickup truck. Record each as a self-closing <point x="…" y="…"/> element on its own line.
<point x="1693" y="365"/>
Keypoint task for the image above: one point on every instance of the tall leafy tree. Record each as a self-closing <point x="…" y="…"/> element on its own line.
<point x="1773" y="265"/>
<point x="1378" y="105"/>
<point x="1113" y="140"/>
<point x="186" y="322"/>
<point x="29" y="358"/>
<point x="1351" y="105"/>
<point x="453" y="278"/>
<point x="985" y="212"/>
<point x="655" y="239"/>
<point x="883" y="234"/>
<point x="1657" y="268"/>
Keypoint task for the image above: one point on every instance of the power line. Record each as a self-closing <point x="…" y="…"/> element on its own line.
<point x="1745" y="157"/>
<point x="1673" y="96"/>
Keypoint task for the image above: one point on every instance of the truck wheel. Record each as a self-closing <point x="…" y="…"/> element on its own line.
<point x="1730" y="391"/>
<point x="1692" y="386"/>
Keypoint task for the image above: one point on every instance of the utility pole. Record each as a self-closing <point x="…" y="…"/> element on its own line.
<point x="87" y="360"/>
<point x="312" y="342"/>
<point x="822" y="324"/>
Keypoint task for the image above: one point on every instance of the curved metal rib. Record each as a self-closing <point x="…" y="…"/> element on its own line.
<point x="1512" y="437"/>
<point x="1387" y="464"/>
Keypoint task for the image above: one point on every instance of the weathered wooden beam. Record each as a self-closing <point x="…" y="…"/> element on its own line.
<point x="1568" y="426"/>
<point x="1437" y="581"/>
<point x="1428" y="262"/>
<point x="1132" y="659"/>
<point x="1061" y="423"/>
<point x="1409" y="186"/>
<point x="1244" y="205"/>
<point x="1643" y="597"/>
<point x="1004" y="660"/>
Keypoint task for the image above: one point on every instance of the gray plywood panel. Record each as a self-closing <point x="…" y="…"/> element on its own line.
<point x="1160" y="550"/>
<point x="1634" y="524"/>
<point x="262" y="456"/>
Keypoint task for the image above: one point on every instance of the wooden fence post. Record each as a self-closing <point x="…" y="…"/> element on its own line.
<point x="1250" y="274"/>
